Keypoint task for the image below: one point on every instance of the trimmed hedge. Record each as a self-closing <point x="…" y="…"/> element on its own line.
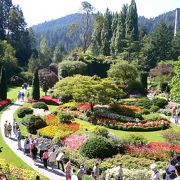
<point x="98" y="147"/>
<point x="22" y="112"/>
<point x="35" y="123"/>
<point x="40" y="105"/>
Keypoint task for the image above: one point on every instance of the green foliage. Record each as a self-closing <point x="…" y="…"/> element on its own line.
<point x="164" y="86"/>
<point x="152" y="117"/>
<point x="88" y="90"/>
<point x="40" y="105"/>
<point x="16" y="81"/>
<point x="100" y="131"/>
<point x="8" y="59"/>
<point x="36" y="88"/>
<point x="35" y="123"/>
<point x="143" y="79"/>
<point x="122" y="72"/>
<point x="3" y="84"/>
<point x="70" y="68"/>
<point x="97" y="147"/>
<point x="136" y="139"/>
<point x="23" y="111"/>
<point x="65" y="117"/>
<point x="27" y="77"/>
<point x="135" y="87"/>
<point x="154" y="108"/>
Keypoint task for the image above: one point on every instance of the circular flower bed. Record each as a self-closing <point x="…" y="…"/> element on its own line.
<point x="132" y="126"/>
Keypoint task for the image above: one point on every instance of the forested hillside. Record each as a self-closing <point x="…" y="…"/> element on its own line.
<point x="66" y="30"/>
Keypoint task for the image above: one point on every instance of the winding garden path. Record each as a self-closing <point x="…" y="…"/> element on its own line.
<point x="12" y="143"/>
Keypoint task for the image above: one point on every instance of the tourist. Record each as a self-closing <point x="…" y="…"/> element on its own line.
<point x="19" y="96"/>
<point x="177" y="116"/>
<point x="42" y="148"/>
<point x="170" y="171"/>
<point x="5" y="128"/>
<point x="177" y="167"/>
<point x="27" y="95"/>
<point x="19" y="137"/>
<point x="45" y="158"/>
<point x="27" y="146"/>
<point x="155" y="175"/>
<point x="14" y="127"/>
<point x="17" y="127"/>
<point x="80" y="172"/>
<point x="96" y="171"/>
<point x="9" y="130"/>
<point x="52" y="158"/>
<point x="174" y="111"/>
<point x="68" y="171"/>
<point x="22" y="96"/>
<point x="60" y="159"/>
<point x="34" y="151"/>
<point x="120" y="172"/>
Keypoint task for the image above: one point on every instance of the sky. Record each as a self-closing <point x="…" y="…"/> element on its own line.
<point x="38" y="11"/>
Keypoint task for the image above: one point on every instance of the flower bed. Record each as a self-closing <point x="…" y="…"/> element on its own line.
<point x="52" y="120"/>
<point x="132" y="126"/>
<point x="47" y="99"/>
<point x="4" y="103"/>
<point x="54" y="131"/>
<point x="74" y="141"/>
<point x="135" y="109"/>
<point x="154" y="150"/>
<point x="83" y="107"/>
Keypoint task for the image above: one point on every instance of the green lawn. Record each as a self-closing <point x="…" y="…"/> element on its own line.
<point x="154" y="136"/>
<point x="12" y="93"/>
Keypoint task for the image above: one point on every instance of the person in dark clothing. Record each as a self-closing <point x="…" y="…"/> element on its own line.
<point x="34" y="151"/>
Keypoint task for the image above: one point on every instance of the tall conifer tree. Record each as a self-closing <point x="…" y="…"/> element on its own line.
<point x="36" y="87"/>
<point x="3" y="84"/>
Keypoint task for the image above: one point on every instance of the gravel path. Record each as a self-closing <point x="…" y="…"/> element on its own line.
<point x="12" y="143"/>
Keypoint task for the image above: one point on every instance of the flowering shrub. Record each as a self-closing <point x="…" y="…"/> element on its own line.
<point x="4" y="103"/>
<point x="13" y="172"/>
<point x="84" y="107"/>
<point x="55" y="131"/>
<point x="135" y="109"/>
<point x="153" y="150"/>
<point x="74" y="141"/>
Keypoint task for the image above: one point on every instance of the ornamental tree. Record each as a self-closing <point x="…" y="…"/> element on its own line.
<point x="47" y="79"/>
<point x="123" y="72"/>
<point x="88" y="89"/>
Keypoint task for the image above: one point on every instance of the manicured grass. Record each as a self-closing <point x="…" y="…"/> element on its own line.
<point x="12" y="93"/>
<point x="154" y="136"/>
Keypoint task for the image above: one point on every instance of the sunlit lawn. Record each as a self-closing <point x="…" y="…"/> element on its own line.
<point x="154" y="136"/>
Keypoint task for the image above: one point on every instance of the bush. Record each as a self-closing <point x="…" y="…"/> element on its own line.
<point x="16" y="81"/>
<point x="160" y="102"/>
<point x="98" y="147"/>
<point x="135" y="87"/>
<point x="152" y="117"/>
<point x="40" y="105"/>
<point x="101" y="131"/>
<point x="154" y="108"/>
<point x="23" y="111"/>
<point x="136" y="139"/>
<point x="49" y="100"/>
<point x="164" y="86"/>
<point x="65" y="117"/>
<point x="35" y="123"/>
<point x="64" y="98"/>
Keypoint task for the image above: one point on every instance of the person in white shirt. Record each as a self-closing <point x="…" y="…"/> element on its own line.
<point x="120" y="172"/>
<point x="52" y="158"/>
<point x="177" y="167"/>
<point x="60" y="159"/>
<point x="96" y="171"/>
<point x="155" y="175"/>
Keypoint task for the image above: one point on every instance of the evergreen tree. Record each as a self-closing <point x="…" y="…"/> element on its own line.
<point x="114" y="29"/>
<point x="132" y="32"/>
<point x="121" y="29"/>
<point x="3" y="84"/>
<point x="36" y="88"/>
<point x="106" y="34"/>
<point x="96" y="35"/>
